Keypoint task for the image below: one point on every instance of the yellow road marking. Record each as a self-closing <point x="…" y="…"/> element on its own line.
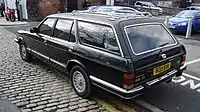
<point x="115" y="106"/>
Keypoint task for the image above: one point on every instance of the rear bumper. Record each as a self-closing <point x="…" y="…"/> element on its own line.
<point x="129" y="94"/>
<point x="180" y="71"/>
<point x="182" y="68"/>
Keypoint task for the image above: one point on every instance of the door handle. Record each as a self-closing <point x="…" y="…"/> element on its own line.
<point x="45" y="41"/>
<point x="71" y="49"/>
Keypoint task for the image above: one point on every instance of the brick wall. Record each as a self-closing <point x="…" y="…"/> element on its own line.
<point x="38" y="9"/>
<point x="32" y="10"/>
<point x="94" y="2"/>
<point x="97" y="2"/>
<point x="196" y="1"/>
<point x="47" y="7"/>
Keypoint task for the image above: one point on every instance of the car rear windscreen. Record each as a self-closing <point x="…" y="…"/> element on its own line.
<point x="148" y="37"/>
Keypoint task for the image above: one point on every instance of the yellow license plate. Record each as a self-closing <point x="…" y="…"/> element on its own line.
<point x="161" y="68"/>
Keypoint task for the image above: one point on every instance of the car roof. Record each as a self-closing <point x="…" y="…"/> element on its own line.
<point x="104" y="18"/>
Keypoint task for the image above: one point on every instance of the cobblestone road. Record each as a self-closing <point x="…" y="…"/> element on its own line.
<point x="33" y="86"/>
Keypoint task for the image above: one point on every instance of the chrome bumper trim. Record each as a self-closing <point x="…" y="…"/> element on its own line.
<point x="161" y="78"/>
<point x="16" y="40"/>
<point x="46" y="57"/>
<point x="114" y="86"/>
<point x="183" y="67"/>
<point x="131" y="97"/>
<point x="136" y="89"/>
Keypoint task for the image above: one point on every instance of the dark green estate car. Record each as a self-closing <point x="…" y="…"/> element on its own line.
<point x="122" y="55"/>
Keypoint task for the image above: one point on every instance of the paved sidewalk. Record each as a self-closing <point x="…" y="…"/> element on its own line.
<point x="3" y="22"/>
<point x="34" y="87"/>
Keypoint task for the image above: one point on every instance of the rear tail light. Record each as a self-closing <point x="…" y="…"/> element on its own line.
<point x="128" y="81"/>
<point x="183" y="58"/>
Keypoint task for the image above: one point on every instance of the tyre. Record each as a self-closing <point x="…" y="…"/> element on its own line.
<point x="25" y="55"/>
<point x="12" y="18"/>
<point x="80" y="81"/>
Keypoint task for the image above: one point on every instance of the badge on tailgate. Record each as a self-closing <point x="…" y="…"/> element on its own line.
<point x="161" y="68"/>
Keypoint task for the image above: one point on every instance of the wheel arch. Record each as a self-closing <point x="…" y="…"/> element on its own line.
<point x="72" y="63"/>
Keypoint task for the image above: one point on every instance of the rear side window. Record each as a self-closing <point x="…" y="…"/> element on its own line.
<point x="64" y="30"/>
<point x="98" y="35"/>
<point x="144" y="38"/>
<point x="46" y="27"/>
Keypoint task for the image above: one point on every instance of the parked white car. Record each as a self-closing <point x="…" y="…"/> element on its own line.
<point x="193" y="8"/>
<point x="116" y="10"/>
<point x="148" y="5"/>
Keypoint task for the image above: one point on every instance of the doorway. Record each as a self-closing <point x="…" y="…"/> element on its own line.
<point x="71" y="5"/>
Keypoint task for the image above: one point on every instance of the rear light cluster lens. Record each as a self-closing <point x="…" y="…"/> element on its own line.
<point x="128" y="81"/>
<point x="183" y="59"/>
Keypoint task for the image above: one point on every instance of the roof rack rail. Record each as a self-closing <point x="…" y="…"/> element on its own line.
<point x="111" y="16"/>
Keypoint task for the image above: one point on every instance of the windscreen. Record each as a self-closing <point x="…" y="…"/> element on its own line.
<point x="144" y="38"/>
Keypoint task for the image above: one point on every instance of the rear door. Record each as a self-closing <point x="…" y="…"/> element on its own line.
<point x="62" y="42"/>
<point x="71" y="5"/>
<point x="100" y="52"/>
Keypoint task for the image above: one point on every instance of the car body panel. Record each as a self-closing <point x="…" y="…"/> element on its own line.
<point x="35" y="42"/>
<point x="145" y="62"/>
<point x="106" y="69"/>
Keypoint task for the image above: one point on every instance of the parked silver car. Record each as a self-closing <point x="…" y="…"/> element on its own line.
<point x="116" y="9"/>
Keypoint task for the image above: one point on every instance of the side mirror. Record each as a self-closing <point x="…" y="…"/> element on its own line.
<point x="34" y="30"/>
<point x="173" y="15"/>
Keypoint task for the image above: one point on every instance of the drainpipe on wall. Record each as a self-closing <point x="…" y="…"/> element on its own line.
<point x="17" y="8"/>
<point x="6" y="4"/>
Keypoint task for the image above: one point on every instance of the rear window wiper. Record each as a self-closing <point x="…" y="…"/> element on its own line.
<point x="160" y="51"/>
<point x="163" y="44"/>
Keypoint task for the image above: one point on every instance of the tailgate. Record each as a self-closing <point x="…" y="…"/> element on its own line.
<point x="153" y="65"/>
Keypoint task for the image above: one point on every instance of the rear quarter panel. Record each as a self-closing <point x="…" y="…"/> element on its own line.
<point x="102" y="65"/>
